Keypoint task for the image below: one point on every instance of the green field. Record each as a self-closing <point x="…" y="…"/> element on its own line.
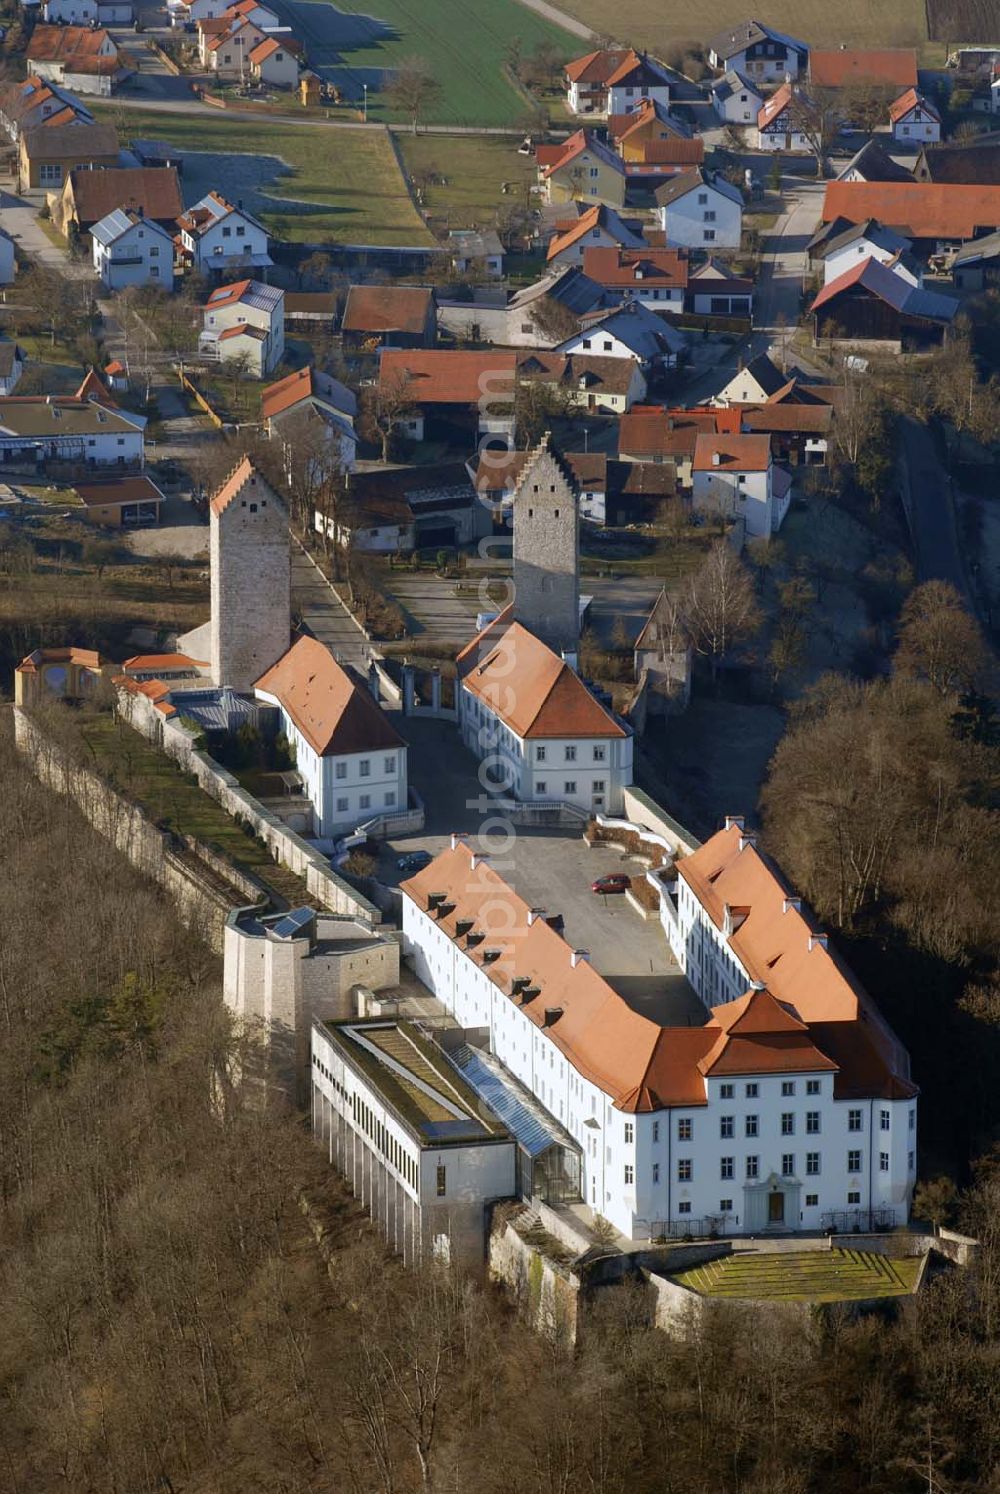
<point x="855" y="23"/>
<point x="465" y="43"/>
<point x="343" y="185"/>
<point x="803" y="1276"/>
<point x="474" y="168"/>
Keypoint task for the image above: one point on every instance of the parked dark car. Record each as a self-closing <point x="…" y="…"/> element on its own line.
<point x="613" y="882"/>
<point x="413" y="862"/>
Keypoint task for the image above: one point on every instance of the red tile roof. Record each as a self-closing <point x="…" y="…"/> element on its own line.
<point x="155" y="190"/>
<point x="654" y="432"/>
<point x="673" y="152"/>
<point x="77" y="48"/>
<point x="443" y="377"/>
<point x="907" y="102"/>
<point x="921" y="210"/>
<point x="289" y="391"/>
<point x="599" y="67"/>
<point x="773" y="106"/>
<point x="334" y="713"/>
<point x="163" y="663"/>
<point x="243" y="476"/>
<point x="388" y="308"/>
<point x="893" y="67"/>
<point x="506" y="663"/>
<point x="614" y="266"/>
<point x="731" y="454"/>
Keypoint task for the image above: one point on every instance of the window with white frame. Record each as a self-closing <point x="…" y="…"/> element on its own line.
<point x="812" y="1122"/>
<point x="684" y="1128"/>
<point x="854" y="1161"/>
<point x="365" y="767"/>
<point x="788" y="1164"/>
<point x="787" y="1123"/>
<point x="812" y="1164"/>
<point x="753" y="1167"/>
<point x="855" y="1119"/>
<point x="727" y="1167"/>
<point x="727" y="1127"/>
<point x="751" y="1126"/>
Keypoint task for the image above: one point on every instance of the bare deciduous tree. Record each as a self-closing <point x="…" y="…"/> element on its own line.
<point x="720" y="606"/>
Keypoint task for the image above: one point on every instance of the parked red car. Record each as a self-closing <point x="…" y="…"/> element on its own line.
<point x="613" y="882"/>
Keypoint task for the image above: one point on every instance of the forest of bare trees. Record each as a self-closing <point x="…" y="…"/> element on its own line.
<point x="169" y="1323"/>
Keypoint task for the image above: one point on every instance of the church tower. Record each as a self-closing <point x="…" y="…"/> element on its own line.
<point x="251" y="579"/>
<point x="546" y="515"/>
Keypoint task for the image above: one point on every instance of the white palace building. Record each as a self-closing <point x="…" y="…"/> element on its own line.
<point x="790" y="1107"/>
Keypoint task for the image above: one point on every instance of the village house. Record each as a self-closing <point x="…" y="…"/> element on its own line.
<point x="912" y="118"/>
<point x="227" y="53"/>
<point x="273" y="63"/>
<point x="870" y="303"/>
<point x="614" y="81"/>
<point x="349" y="756"/>
<point x="217" y="238"/>
<point x="121" y="502"/>
<point x="310" y="312"/>
<point x="48" y="153"/>
<point x="629" y="331"/>
<point x="592" y="383"/>
<point x="85" y="429"/>
<point x="80" y="58"/>
<point x="131" y="249"/>
<point x="88" y="13"/>
<point x="245" y="319"/>
<point x="781" y="121"/>
<point x="976" y="266"/>
<point x="935" y="217"/>
<point x="700" y="210"/>
<point x="88" y="196"/>
<point x="716" y="290"/>
<point x="755" y="50"/>
<point x="476" y="251"/>
<point x="890" y="68"/>
<point x="389" y="510"/>
<point x="656" y="278"/>
<point x="839" y="245"/>
<point x="496" y="476"/>
<point x="753" y="383"/>
<point x="648" y="125"/>
<point x="872" y="163"/>
<point x="737" y="476"/>
<point x="258" y="15"/>
<point x="652" y="435"/>
<point x="388" y="316"/>
<point x="595" y="227"/>
<point x="35" y="101"/>
<point x="584" y="168"/>
<point x="973" y="164"/>
<point x="453" y="393"/>
<point x="318" y="396"/>
<point x="12" y="362"/>
<point x="737" y="101"/>
<point x="662" y="653"/>
<point x="799" y="431"/>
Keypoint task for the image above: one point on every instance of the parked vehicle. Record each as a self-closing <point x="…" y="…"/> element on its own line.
<point x="613" y="882"/>
<point x="413" y="862"/>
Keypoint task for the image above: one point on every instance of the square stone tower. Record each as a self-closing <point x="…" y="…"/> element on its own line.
<point x="251" y="579"/>
<point x="546" y="514"/>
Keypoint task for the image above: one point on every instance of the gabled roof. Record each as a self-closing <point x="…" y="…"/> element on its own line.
<point x="307" y="384"/>
<point x="71" y="142"/>
<point x="657" y="433"/>
<point x="694" y="181"/>
<point x="907" y="102"/>
<point x="650" y="111"/>
<point x="671" y="152"/>
<point x="599" y="216"/>
<point x="967" y="165"/>
<point x="979" y="249"/>
<point x="882" y="282"/>
<point x="265" y="49"/>
<point x="533" y="691"/>
<point x="443" y="376"/>
<point x="95" y="389"/>
<point x="734" y="82"/>
<point x="892" y="67"/>
<point x="334" y="713"/>
<point x="598" y="67"/>
<point x="831" y="239"/>
<point x="731" y="453"/>
<point x="243" y="480"/>
<point x="875" y="164"/>
<point x="501" y="473"/>
<point x="212" y="208"/>
<point x="617" y="267"/>
<point x="775" y="105"/>
<point x="747" y="34"/>
<point x="921" y="210"/>
<point x="578" y="142"/>
<point x="808" y="419"/>
<point x="154" y="189"/>
<point x="646" y="335"/>
<point x="120" y="221"/>
<point x="388" y="308"/>
<point x="77" y="48"/>
<point x="246" y="293"/>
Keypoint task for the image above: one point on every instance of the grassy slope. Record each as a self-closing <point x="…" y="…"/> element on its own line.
<point x="465" y="42"/>
<point x="349" y="178"/>
<point x="653" y="24"/>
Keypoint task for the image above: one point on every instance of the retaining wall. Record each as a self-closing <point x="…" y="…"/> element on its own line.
<point x="546" y="1292"/>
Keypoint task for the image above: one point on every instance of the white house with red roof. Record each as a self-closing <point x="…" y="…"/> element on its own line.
<point x="912" y="117"/>
<point x="699" y="209"/>
<point x="583" y="168"/>
<point x="656" y="278"/>
<point x="245" y="319"/>
<point x="274" y="63"/>
<point x="736" y="475"/>
<point x="217" y="237"/>
<point x="780" y="120"/>
<point x="313" y="396"/>
<point x="767" y="1094"/>
<point x="350" y="757"/>
<point x="597" y="227"/>
<point x="614" y="81"/>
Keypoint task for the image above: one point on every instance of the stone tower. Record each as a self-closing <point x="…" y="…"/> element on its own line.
<point x="251" y="579"/>
<point x="546" y="514"/>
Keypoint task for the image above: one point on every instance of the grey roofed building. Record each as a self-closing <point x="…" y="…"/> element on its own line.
<point x="767" y="374"/>
<point x="871" y="229"/>
<point x="745" y="34"/>
<point x="689" y="181"/>
<point x="972" y="164"/>
<point x="873" y="163"/>
<point x="734" y="82"/>
<point x="470" y="243"/>
<point x="648" y="336"/>
<point x="110" y="229"/>
<point x="978" y="250"/>
<point x="881" y="281"/>
<point x="9" y="354"/>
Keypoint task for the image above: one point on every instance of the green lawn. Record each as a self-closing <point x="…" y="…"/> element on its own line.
<point x="803" y="1276"/>
<point x="465" y="42"/>
<point x="474" y="169"/>
<point x="152" y="779"/>
<point x="344" y="185"/>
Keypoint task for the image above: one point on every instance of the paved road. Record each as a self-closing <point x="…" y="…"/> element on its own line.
<point x="560" y="18"/>
<point x="935" y="534"/>
<point x="19" y="216"/>
<point x="324" y="613"/>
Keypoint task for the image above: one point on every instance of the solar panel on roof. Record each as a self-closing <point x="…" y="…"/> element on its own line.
<point x="530" y="1131"/>
<point x="293" y="923"/>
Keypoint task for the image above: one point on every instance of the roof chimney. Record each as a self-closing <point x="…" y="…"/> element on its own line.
<point x="747" y="840"/>
<point x="455" y="840"/>
<point x="477" y="857"/>
<point x="734" y="821"/>
<point x="758" y="985"/>
<point x="579" y="957"/>
<point x="791" y="902"/>
<point x="534" y="913"/>
<point x="815" y="939"/>
<point x="716" y="459"/>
